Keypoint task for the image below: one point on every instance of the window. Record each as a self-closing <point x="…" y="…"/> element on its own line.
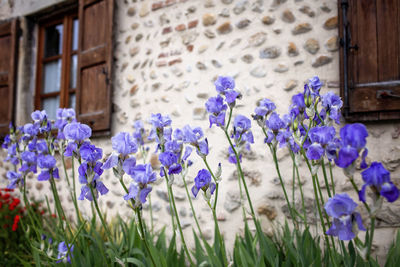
<point x="370" y="59"/>
<point x="74" y="62"/>
<point x="57" y="64"/>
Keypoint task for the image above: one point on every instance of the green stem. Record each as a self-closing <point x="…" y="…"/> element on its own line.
<point x="72" y="194"/>
<point x="332" y="181"/>
<point x="241" y="176"/>
<point x="191" y="205"/>
<point x="218" y="233"/>
<point x="141" y="228"/>
<point x="371" y="237"/>
<point x="171" y="207"/>
<point x="241" y="197"/>
<point x="356" y="189"/>
<point x="60" y="210"/>
<point x="174" y="210"/>
<point x="96" y="205"/>
<point x="300" y="188"/>
<point x="215" y="180"/>
<point x="325" y="177"/>
<point x="273" y="152"/>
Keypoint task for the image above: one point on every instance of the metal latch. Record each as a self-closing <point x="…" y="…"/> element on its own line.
<point x="386" y="94"/>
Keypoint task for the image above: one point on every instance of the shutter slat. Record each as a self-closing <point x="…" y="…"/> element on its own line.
<point x="95" y="64"/>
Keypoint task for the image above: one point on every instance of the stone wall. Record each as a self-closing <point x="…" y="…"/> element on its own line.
<point x="167" y="55"/>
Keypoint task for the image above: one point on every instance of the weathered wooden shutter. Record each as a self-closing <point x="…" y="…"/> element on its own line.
<point x="95" y="63"/>
<point x="8" y="62"/>
<point x="373" y="55"/>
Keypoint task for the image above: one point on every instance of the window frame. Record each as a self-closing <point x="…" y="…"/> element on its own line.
<point x="66" y="54"/>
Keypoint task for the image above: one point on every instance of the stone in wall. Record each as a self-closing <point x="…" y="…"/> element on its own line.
<point x="392" y="159"/>
<point x="311" y="46"/>
<point x="267" y="210"/>
<point x="321" y="60"/>
<point x="209" y="34"/>
<point x="292" y="50"/>
<point x="232" y="201"/>
<point x="332" y="44"/>
<point x="240" y="7"/>
<point x="307" y="10"/>
<point x="331" y="23"/>
<point x="301" y="28"/>
<point x="270" y="52"/>
<point x="281" y="68"/>
<point x="258" y="72"/>
<point x="268" y="20"/>
<point x="287" y="16"/>
<point x="257" y="39"/>
<point x="243" y="23"/>
<point x="209" y="19"/>
<point x="247" y="58"/>
<point x="131" y="11"/>
<point x="224" y="28"/>
<point x="290" y="85"/>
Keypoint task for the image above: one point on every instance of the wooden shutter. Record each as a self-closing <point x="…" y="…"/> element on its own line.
<point x="8" y="62"/>
<point x="95" y="63"/>
<point x="373" y="59"/>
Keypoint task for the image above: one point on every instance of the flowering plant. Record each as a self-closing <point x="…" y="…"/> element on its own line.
<point x="306" y="131"/>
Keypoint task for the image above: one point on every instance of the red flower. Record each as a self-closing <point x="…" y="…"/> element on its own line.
<point x="16" y="220"/>
<point x="15" y="203"/>
<point x="6" y="196"/>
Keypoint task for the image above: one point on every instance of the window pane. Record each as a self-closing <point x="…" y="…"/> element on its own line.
<point x="53" y="40"/>
<point x="72" y="101"/>
<point x="74" y="66"/>
<point x="51" y="76"/>
<point x="75" y="31"/>
<point x="51" y="105"/>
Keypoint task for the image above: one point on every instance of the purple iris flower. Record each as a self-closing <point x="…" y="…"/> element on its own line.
<point x="139" y="132"/>
<point x="319" y="136"/>
<point x="378" y="178"/>
<point x="231" y="96"/>
<point x="173" y="146"/>
<point x="143" y="175"/>
<point x="64" y="116"/>
<point x="28" y="162"/>
<point x="93" y="171"/>
<point x="298" y="101"/>
<point x="346" y="220"/>
<point x="39" y="116"/>
<point x="241" y="126"/>
<point x="332" y="104"/>
<point x="202" y="150"/>
<point x="124" y="143"/>
<point x="354" y="138"/>
<point x="14" y="178"/>
<point x="128" y="165"/>
<point x="265" y="107"/>
<point x="48" y="165"/>
<point x="192" y="135"/>
<point x="232" y="156"/>
<point x="170" y="161"/>
<point x="90" y="153"/>
<point x="354" y="135"/>
<point x="77" y="131"/>
<point x="30" y="130"/>
<point x="63" y="254"/>
<point x="216" y="106"/>
<point x="274" y="122"/>
<point x="315" y="84"/>
<point x="224" y="83"/>
<point x="203" y="182"/>
<point x="158" y="121"/>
